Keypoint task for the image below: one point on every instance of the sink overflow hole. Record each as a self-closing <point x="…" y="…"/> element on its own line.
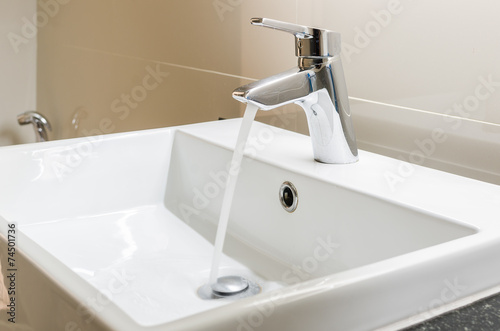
<point x="289" y="197"/>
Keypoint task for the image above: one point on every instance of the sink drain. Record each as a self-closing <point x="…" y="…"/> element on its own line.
<point x="229" y="287"/>
<point x="289" y="197"/>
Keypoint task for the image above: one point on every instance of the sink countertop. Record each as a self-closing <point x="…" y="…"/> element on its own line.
<point x="482" y="315"/>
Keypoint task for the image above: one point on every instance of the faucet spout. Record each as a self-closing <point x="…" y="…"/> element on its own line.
<point x="318" y="86"/>
<point x="40" y="124"/>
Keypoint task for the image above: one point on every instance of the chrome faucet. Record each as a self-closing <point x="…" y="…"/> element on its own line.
<point x="40" y="124"/>
<point x="317" y="84"/>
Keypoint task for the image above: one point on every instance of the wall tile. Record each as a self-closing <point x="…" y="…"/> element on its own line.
<point x="139" y="94"/>
<point x="456" y="145"/>
<point x="424" y="55"/>
<point x="187" y="32"/>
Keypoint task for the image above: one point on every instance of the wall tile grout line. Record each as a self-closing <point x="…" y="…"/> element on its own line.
<point x="161" y="62"/>
<point x="254" y="79"/>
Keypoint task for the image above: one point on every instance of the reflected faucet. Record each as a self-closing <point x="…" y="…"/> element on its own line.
<point x="317" y="84"/>
<point x="40" y="124"/>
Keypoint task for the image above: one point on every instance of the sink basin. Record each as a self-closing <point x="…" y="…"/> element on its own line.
<point x="121" y="229"/>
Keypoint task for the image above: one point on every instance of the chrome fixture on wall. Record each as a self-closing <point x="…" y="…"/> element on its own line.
<point x="317" y="84"/>
<point x="40" y="124"/>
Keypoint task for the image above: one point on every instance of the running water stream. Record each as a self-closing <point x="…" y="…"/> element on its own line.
<point x="232" y="178"/>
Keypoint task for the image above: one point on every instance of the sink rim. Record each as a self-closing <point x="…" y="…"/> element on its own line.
<point x="483" y="225"/>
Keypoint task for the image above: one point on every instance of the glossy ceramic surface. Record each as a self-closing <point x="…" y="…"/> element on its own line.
<point x="128" y="220"/>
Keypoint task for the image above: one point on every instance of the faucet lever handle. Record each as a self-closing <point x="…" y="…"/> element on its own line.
<point x="299" y="31"/>
<point x="309" y="42"/>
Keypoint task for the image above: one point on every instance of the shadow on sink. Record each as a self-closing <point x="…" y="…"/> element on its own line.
<point x="334" y="229"/>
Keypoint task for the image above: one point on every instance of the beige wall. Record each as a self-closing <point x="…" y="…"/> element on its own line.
<point x="111" y="66"/>
<point x="422" y="75"/>
<point x="17" y="69"/>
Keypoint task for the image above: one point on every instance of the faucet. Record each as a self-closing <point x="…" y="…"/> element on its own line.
<point x="317" y="84"/>
<point x="40" y="124"/>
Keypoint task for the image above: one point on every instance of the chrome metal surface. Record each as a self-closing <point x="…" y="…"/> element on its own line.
<point x="289" y="197"/>
<point x="309" y="42"/>
<point x="317" y="84"/>
<point x="40" y="124"/>
<point x="229" y="287"/>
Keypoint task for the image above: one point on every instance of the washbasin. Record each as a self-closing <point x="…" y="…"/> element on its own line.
<point x="121" y="230"/>
<point x="351" y="228"/>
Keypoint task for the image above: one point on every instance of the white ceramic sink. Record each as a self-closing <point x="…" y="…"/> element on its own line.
<point x="122" y="226"/>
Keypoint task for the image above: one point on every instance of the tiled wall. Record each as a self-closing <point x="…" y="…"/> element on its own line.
<point x="17" y="69"/>
<point x="423" y="76"/>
